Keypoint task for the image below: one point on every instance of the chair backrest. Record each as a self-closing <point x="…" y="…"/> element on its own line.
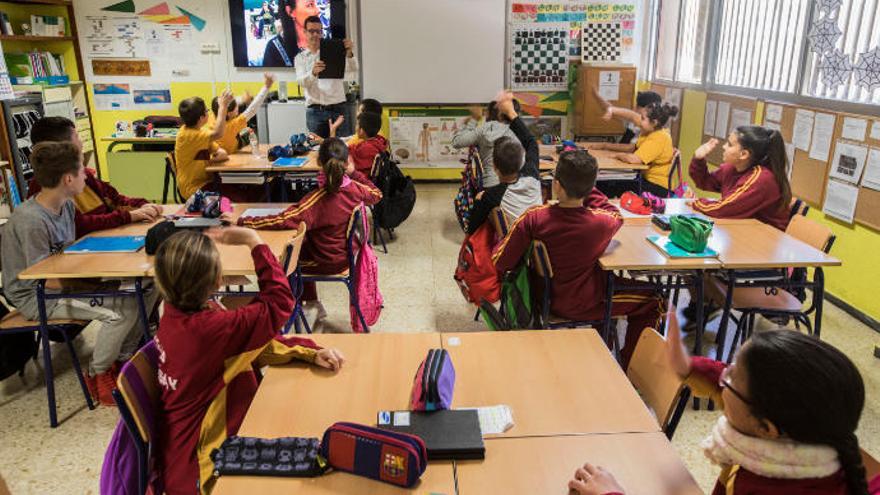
<point x="798" y="207"/>
<point x="674" y="169"/>
<point x="872" y="466"/>
<point x="356" y="234"/>
<point x="499" y="221"/>
<point x="811" y="232"/>
<point x="171" y="164"/>
<point x="650" y="373"/>
<point x="290" y="257"/>
<point x="541" y="260"/>
<point x="138" y="384"/>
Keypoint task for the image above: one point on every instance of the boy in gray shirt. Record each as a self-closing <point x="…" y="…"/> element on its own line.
<point x="484" y="137"/>
<point x="43" y="225"/>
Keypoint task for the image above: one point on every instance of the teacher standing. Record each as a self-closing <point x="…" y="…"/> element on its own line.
<point x="325" y="98"/>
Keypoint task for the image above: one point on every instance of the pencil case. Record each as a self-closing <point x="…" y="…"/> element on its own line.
<point x="395" y="458"/>
<point x="434" y="382"/>
<point x="249" y="456"/>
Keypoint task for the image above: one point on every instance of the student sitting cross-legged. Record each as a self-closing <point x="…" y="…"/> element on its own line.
<point x="207" y="353"/>
<point x="576" y="231"/>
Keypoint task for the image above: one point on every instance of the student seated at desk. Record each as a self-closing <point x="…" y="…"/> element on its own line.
<point x="207" y="353"/>
<point x="196" y="146"/>
<point x="576" y="230"/>
<point x="791" y="407"/>
<point x="484" y="137"/>
<point x="99" y="206"/>
<point x="366" y="142"/>
<point x="632" y="119"/>
<point x="44" y="225"/>
<point x="235" y="121"/>
<point x="520" y="187"/>
<point x="653" y="148"/>
<point x="752" y="179"/>
<point x="326" y="211"/>
<point x="373" y="106"/>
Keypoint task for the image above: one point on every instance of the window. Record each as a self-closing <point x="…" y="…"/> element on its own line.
<point x="830" y="75"/>
<point x="681" y="39"/>
<point x="760" y="43"/>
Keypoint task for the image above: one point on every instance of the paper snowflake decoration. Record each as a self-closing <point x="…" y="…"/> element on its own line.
<point x="830" y="6"/>
<point x="867" y="69"/>
<point x="824" y="35"/>
<point x="835" y="68"/>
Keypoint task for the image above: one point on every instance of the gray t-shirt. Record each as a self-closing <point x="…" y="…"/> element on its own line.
<point x="32" y="233"/>
<point x="484" y="138"/>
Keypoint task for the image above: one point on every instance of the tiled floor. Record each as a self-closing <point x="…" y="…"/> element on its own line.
<point x="420" y="296"/>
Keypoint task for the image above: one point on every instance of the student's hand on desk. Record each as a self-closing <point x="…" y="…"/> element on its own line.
<point x="235" y="236"/>
<point x="703" y="151"/>
<point x="593" y="480"/>
<point x="594" y="146"/>
<point x="142" y="214"/>
<point x="156" y="208"/>
<point x="331" y="359"/>
<point x="219" y="156"/>
<point x="318" y="67"/>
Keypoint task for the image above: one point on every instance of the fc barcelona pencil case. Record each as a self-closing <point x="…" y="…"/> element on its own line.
<point x="396" y="458"/>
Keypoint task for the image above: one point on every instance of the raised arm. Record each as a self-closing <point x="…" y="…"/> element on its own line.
<point x="699" y="170"/>
<point x="251" y="110"/>
<point x="220" y="123"/>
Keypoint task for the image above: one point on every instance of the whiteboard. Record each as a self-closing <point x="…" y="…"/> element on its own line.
<point x="430" y="51"/>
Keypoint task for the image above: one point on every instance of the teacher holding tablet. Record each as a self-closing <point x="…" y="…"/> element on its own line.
<point x="325" y="98"/>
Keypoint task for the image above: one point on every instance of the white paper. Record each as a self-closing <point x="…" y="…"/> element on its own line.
<point x="709" y="118"/>
<point x="872" y="170"/>
<point x="854" y="128"/>
<point x="773" y="126"/>
<point x="261" y="212"/>
<point x="840" y="200"/>
<point x="673" y="97"/>
<point x="494" y="420"/>
<point x="789" y="153"/>
<point x="848" y="163"/>
<point x="401" y="418"/>
<point x="773" y="112"/>
<point x="609" y="85"/>
<point x="722" y="116"/>
<point x="740" y="118"/>
<point x="803" y="129"/>
<point x="453" y="341"/>
<point x="823" y="129"/>
<point x="875" y="130"/>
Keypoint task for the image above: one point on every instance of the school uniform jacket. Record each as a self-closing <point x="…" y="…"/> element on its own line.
<point x="753" y="193"/>
<point x="99" y="206"/>
<point x="575" y="240"/>
<point x="326" y="216"/>
<point x="206" y="376"/>
<point x="364" y="152"/>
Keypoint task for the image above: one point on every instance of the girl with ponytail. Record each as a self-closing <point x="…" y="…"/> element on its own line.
<point x="326" y="212"/>
<point x="791" y="408"/>
<point x="752" y="180"/>
<point x="653" y="148"/>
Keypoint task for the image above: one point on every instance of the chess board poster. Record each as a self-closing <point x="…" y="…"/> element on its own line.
<point x="539" y="58"/>
<point x="602" y="42"/>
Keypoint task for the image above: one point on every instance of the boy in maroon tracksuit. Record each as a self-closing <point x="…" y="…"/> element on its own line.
<point x="370" y="142"/>
<point x="576" y="231"/>
<point x="207" y="353"/>
<point x="99" y="206"/>
<point x="326" y="212"/>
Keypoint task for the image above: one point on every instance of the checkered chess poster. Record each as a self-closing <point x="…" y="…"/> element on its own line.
<point x="539" y="58"/>
<point x="601" y="42"/>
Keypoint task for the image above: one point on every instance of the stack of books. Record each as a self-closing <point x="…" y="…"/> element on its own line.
<point x="48" y="25"/>
<point x="36" y="67"/>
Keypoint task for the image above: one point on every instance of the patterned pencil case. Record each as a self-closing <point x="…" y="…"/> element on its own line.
<point x="396" y="458"/>
<point x="249" y="456"/>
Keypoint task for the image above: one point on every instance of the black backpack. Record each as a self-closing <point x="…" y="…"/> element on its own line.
<point x="16" y="349"/>
<point x="398" y="193"/>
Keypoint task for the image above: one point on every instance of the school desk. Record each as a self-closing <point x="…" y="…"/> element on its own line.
<point x="304" y="400"/>
<point x="674" y="206"/>
<point x="557" y="382"/>
<point x="244" y="161"/>
<point x="643" y="463"/>
<point x="604" y="158"/>
<point x="139" y="173"/>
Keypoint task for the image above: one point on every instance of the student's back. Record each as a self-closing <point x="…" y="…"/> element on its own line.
<point x="484" y="137"/>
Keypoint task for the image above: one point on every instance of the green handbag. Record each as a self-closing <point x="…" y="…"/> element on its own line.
<point x="690" y="233"/>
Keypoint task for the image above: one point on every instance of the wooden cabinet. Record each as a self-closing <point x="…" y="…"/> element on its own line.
<point x="588" y="112"/>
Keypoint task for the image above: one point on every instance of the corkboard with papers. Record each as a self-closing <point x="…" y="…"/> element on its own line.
<point x="722" y="114"/>
<point x="674" y="96"/>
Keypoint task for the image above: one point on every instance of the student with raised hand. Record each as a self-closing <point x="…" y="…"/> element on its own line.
<point x="791" y="408"/>
<point x="196" y="146"/>
<point x="485" y="136"/>
<point x="632" y="118"/>
<point x="752" y="180"/>
<point x="237" y="122"/>
<point x="517" y="169"/>
<point x="653" y="148"/>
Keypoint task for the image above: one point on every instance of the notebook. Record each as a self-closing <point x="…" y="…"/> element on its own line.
<point x="114" y="244"/>
<point x="333" y="55"/>
<point x="448" y="434"/>
<point x="669" y="248"/>
<point x="286" y="161"/>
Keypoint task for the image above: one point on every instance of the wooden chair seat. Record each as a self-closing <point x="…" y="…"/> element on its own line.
<point x="341" y="274"/>
<point x="17" y="320"/>
<point x="755" y="297"/>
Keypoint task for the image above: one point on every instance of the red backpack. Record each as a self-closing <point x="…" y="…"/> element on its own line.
<point x="475" y="274"/>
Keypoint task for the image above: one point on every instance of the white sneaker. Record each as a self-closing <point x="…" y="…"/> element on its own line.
<point x="314" y="312"/>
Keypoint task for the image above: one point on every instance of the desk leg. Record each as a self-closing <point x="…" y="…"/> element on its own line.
<point x="47" y="353"/>
<point x="142" y="307"/>
<point x="699" y="317"/>
<point x="609" y="303"/>
<point x="819" y="288"/>
<point x="725" y="316"/>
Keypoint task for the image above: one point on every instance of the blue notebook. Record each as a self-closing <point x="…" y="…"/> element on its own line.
<point x="290" y="161"/>
<point x="118" y="244"/>
<point x="669" y="248"/>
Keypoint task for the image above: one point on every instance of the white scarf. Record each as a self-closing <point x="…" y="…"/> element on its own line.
<point x="783" y="459"/>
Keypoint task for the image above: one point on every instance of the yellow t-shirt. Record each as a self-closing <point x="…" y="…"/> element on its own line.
<point x="656" y="151"/>
<point x="192" y="149"/>
<point x="229" y="141"/>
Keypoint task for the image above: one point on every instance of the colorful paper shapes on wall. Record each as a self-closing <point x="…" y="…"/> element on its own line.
<point x="158" y="9"/>
<point x="538" y="104"/>
<point x="196" y="21"/>
<point x="126" y="6"/>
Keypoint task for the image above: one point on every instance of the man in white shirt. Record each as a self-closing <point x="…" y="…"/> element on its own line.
<point x="325" y="98"/>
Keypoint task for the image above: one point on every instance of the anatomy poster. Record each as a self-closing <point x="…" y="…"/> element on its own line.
<point x="423" y="138"/>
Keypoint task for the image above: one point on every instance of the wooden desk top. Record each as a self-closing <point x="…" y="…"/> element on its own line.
<point x="302" y="400"/>
<point x="759" y="245"/>
<point x="675" y="206"/>
<point x="244" y="161"/>
<point x="132" y="139"/>
<point x="643" y="463"/>
<point x="555" y="382"/>
<point x="236" y="259"/>
<point x="630" y="250"/>
<point x="603" y="157"/>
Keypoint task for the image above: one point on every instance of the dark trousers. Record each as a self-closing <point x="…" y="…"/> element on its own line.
<point x="318" y="119"/>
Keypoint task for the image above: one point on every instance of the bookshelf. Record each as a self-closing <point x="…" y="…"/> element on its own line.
<point x="69" y="100"/>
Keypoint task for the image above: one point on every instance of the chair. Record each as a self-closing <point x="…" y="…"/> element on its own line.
<point x="798" y="207"/>
<point x="872" y="466"/>
<point x="171" y="176"/>
<point x="663" y="391"/>
<point x="499" y="221"/>
<point x="377" y="231"/>
<point x="137" y="394"/>
<point x="771" y="301"/>
<point x="675" y="169"/>
<point x="356" y="236"/>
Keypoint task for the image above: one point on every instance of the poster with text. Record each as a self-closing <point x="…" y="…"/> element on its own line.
<point x="423" y="138"/>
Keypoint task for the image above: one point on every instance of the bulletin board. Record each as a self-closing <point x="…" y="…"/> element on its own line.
<point x="867" y="210"/>
<point x="735" y="105"/>
<point x="674" y="96"/>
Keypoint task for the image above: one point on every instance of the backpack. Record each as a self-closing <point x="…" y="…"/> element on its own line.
<point x="475" y="273"/>
<point x="398" y="193"/>
<point x="517" y="310"/>
<point x="119" y="472"/>
<point x="471" y="184"/>
<point x="369" y="298"/>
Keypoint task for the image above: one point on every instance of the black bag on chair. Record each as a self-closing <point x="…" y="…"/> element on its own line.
<point x="398" y="193"/>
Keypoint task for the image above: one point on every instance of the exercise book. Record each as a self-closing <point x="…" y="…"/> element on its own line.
<point x="114" y="244"/>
